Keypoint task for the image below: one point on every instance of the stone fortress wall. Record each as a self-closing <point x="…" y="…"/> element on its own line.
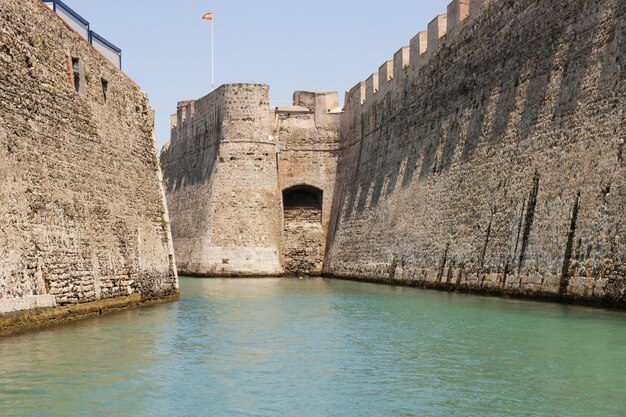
<point x="488" y="155"/>
<point x="83" y="221"/>
<point x="222" y="189"/>
<point x="228" y="162"/>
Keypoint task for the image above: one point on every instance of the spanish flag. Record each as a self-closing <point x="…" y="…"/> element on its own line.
<point x="207" y="16"/>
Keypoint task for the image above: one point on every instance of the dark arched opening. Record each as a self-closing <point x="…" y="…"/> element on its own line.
<point x="302" y="197"/>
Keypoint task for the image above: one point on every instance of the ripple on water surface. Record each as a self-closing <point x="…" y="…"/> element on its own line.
<point x="283" y="347"/>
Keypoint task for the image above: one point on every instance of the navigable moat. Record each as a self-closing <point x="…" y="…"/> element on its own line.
<point x="287" y="347"/>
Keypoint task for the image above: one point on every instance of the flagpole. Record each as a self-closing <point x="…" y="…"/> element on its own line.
<point x="212" y="55"/>
<point x="209" y="16"/>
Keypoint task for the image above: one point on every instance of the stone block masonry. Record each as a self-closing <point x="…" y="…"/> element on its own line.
<point x="250" y="189"/>
<point x="308" y="137"/>
<point x="493" y="161"/>
<point x="83" y="222"/>
<point x="222" y="188"/>
<point x="487" y="156"/>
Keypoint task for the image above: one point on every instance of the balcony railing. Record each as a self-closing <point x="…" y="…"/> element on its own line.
<point x="81" y="26"/>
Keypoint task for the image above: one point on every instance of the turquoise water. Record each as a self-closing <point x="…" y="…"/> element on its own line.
<point x="275" y="347"/>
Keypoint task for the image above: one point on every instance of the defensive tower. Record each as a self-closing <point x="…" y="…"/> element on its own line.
<point x="250" y="188"/>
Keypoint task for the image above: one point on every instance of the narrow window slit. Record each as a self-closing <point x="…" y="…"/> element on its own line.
<point x="76" y="73"/>
<point x="105" y="89"/>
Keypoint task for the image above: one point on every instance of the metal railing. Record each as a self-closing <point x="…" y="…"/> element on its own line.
<point x="81" y="26"/>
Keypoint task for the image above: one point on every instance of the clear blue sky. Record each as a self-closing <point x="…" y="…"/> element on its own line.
<point x="288" y="44"/>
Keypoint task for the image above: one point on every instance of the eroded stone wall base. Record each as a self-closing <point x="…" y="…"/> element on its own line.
<point x="215" y="261"/>
<point x="39" y="318"/>
<point x="529" y="289"/>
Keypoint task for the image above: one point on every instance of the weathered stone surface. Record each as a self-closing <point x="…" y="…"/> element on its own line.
<point x="82" y="214"/>
<point x="497" y="164"/>
<point x="487" y="156"/>
<point x="226" y="166"/>
<point x="222" y="188"/>
<point x="308" y="152"/>
<point x="303" y="244"/>
<point x="39" y="317"/>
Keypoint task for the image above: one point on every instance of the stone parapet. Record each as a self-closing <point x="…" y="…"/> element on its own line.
<point x="443" y="30"/>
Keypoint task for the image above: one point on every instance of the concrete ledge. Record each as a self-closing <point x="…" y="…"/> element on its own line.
<point x="39" y="318"/>
<point x="10" y="305"/>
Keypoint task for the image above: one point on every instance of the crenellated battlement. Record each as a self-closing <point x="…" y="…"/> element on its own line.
<point x="437" y="29"/>
<point x="354" y="100"/>
<point x="371" y="87"/>
<point x="417" y="51"/>
<point x="228" y="161"/>
<point x="385" y="76"/>
<point x="458" y="12"/>
<point x="485" y="156"/>
<point x="401" y="62"/>
<point x="488" y="156"/>
<point x="184" y="111"/>
<point x="407" y="62"/>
